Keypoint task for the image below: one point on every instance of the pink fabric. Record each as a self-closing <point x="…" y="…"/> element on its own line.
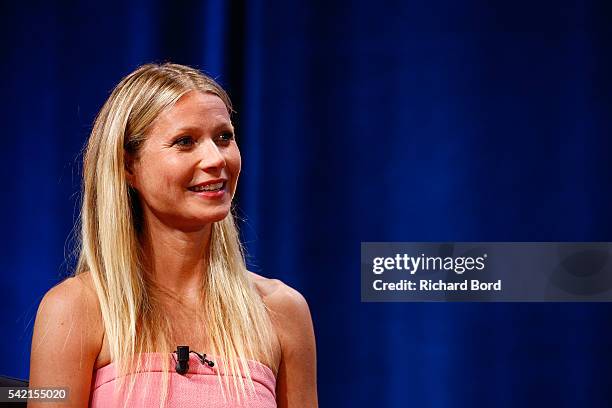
<point x="199" y="387"/>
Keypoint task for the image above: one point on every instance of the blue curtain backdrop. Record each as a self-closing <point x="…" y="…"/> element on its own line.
<point x="358" y="121"/>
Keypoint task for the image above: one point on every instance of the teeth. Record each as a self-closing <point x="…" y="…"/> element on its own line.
<point x="210" y="187"/>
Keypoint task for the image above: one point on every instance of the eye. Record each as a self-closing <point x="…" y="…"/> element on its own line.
<point x="184" y="142"/>
<point x="225" y="137"/>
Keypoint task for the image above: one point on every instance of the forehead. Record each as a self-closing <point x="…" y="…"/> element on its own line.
<point x="193" y="110"/>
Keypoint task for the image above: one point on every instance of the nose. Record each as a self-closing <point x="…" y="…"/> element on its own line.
<point x="211" y="157"/>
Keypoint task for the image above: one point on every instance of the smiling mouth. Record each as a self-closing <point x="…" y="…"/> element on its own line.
<point x="210" y="187"/>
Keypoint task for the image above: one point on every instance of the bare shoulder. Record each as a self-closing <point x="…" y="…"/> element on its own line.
<point x="67" y="333"/>
<point x="281" y="298"/>
<point x="296" y="384"/>
<point x="74" y="297"/>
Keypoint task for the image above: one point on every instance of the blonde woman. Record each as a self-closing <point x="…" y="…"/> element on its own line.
<point x="161" y="266"/>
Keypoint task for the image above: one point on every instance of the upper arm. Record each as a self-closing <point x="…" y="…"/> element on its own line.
<point x="66" y="341"/>
<point x="296" y="384"/>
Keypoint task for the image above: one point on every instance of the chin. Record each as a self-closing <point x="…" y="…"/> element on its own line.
<point x="219" y="218"/>
<point x="197" y="218"/>
<point x="216" y="216"/>
<point x="198" y="223"/>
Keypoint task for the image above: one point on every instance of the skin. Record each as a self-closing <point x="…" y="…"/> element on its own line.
<point x="190" y="143"/>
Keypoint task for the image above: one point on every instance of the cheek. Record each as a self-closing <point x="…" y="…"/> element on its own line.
<point x="234" y="163"/>
<point x="176" y="174"/>
<point x="161" y="175"/>
<point x="237" y="162"/>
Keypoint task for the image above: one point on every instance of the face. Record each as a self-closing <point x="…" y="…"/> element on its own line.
<point x="187" y="169"/>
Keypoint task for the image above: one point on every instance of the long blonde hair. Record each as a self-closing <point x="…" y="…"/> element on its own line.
<point x="238" y="327"/>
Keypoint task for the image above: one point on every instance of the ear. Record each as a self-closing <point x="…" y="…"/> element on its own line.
<point x="129" y="169"/>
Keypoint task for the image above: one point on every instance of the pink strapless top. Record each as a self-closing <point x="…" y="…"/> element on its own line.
<point x="199" y="387"/>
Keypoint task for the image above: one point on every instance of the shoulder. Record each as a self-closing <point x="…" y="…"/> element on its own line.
<point x="74" y="300"/>
<point x="280" y="298"/>
<point x="67" y="333"/>
<point x="287" y="308"/>
<point x="290" y="315"/>
<point x="76" y="288"/>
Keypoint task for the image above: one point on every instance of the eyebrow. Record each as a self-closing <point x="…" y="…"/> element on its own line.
<point x="215" y="128"/>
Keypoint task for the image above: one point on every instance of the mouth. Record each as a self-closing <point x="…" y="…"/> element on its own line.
<point x="210" y="188"/>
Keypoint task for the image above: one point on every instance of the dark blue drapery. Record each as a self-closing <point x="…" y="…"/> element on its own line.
<point x="358" y="121"/>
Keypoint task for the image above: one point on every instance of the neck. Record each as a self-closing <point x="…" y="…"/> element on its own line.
<point x="176" y="260"/>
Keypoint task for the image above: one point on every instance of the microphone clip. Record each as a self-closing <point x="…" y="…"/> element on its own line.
<point x="182" y="361"/>
<point x="182" y="357"/>
<point x="203" y="359"/>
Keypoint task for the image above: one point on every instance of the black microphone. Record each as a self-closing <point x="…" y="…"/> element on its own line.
<point x="182" y="360"/>
<point x="203" y="359"/>
<point x="182" y="363"/>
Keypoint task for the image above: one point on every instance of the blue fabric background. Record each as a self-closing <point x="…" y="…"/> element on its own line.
<point x="358" y="121"/>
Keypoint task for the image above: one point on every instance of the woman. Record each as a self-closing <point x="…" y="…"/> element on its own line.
<point x="161" y="266"/>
